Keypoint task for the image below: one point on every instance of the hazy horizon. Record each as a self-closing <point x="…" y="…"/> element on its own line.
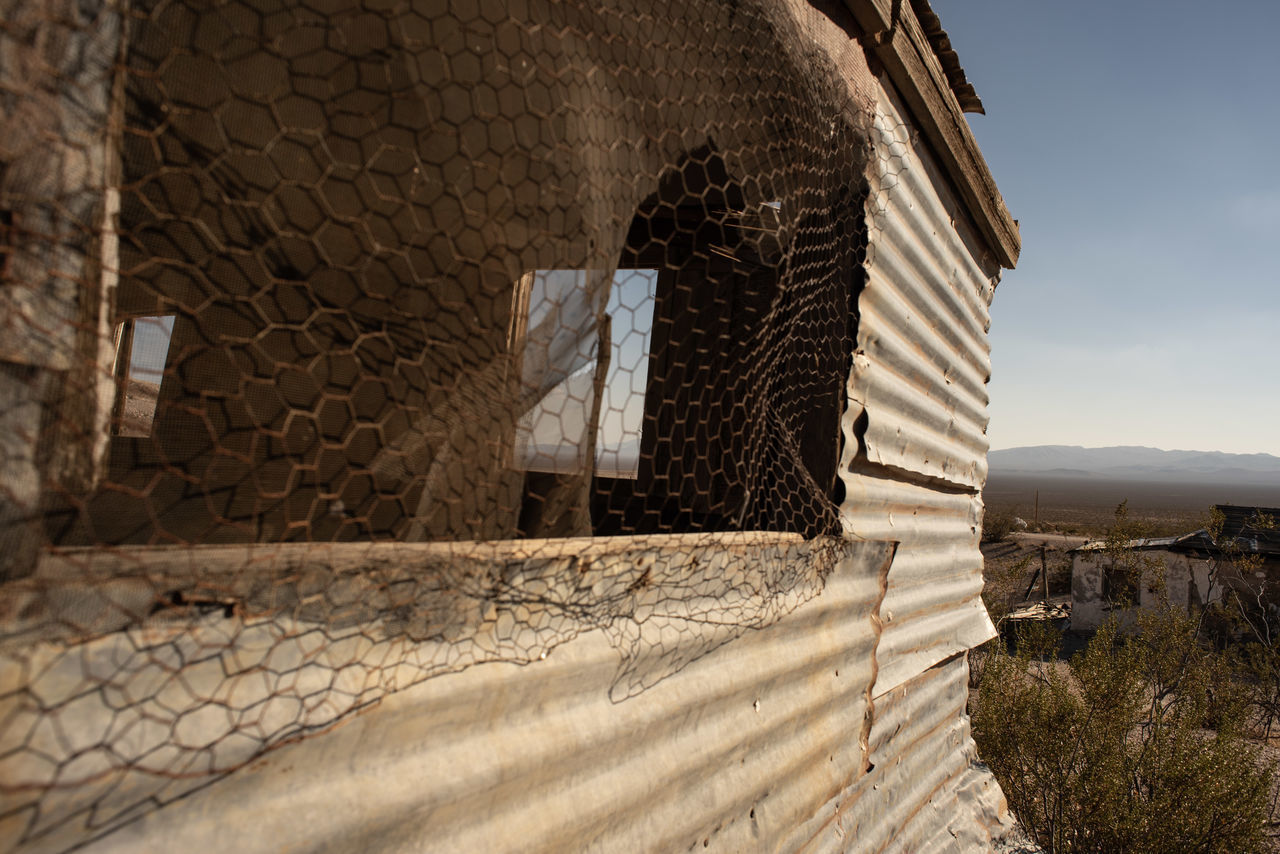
<point x="1128" y="445"/>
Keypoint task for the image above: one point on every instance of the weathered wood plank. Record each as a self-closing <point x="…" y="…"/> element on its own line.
<point x="416" y="588"/>
<point x="874" y="16"/>
<point x="908" y="57"/>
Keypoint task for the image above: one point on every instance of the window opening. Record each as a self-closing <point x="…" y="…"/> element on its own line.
<point x="551" y="437"/>
<point x="631" y="303"/>
<point x="142" y="350"/>
<point x="714" y="344"/>
<point x="1120" y="586"/>
<point x="556" y="359"/>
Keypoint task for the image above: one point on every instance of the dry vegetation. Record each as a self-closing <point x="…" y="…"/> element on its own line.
<point x="1164" y="739"/>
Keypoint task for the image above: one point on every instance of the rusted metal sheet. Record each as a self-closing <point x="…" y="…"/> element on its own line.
<point x="917" y="406"/>
<point x="926" y="791"/>
<point x="738" y="750"/>
<point x="912" y="472"/>
<point x="943" y="799"/>
<point x="933" y="607"/>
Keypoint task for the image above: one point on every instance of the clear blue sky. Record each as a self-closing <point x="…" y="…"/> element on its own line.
<point x="1139" y="145"/>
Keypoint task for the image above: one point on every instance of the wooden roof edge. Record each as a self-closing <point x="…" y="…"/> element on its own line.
<point x="899" y="41"/>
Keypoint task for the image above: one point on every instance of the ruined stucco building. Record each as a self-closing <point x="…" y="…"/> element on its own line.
<point x="491" y="426"/>
<point x="1189" y="571"/>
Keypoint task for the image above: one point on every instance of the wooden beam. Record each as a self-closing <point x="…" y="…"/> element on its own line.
<point x="422" y="589"/>
<point x="903" y="48"/>
<point x="874" y="16"/>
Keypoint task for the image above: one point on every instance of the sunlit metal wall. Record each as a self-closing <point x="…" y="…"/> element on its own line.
<point x="915" y="458"/>
<point x="736" y="752"/>
<point x="914" y="465"/>
<point x="924" y="791"/>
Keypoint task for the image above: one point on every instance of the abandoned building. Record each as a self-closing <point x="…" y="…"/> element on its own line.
<point x="491" y="426"/>
<point x="1188" y="571"/>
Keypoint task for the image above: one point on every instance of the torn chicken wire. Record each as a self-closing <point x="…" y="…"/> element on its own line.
<point x="349" y="344"/>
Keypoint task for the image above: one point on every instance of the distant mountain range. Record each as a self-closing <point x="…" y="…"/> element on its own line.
<point x="1136" y="463"/>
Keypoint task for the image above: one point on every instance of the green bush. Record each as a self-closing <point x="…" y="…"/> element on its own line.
<point x="997" y="524"/>
<point x="1136" y="745"/>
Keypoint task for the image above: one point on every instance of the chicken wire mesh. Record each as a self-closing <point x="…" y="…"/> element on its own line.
<point x="350" y="343"/>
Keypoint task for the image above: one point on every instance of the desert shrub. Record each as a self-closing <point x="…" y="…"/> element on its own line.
<point x="1139" y="743"/>
<point x="1247" y="620"/>
<point x="1135" y="745"/>
<point x="997" y="524"/>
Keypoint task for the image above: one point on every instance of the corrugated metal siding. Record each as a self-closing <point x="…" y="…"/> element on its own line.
<point x="739" y="750"/>
<point x="921" y="733"/>
<point x="917" y="408"/>
<point x="933" y="608"/>
<point x="925" y="792"/>
<point x="923" y="324"/>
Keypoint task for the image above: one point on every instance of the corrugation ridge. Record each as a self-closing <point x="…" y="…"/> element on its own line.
<point x="900" y="710"/>
<point x="939" y="538"/>
<point x="928" y="452"/>
<point x="913" y="214"/>
<point x="951" y="441"/>
<point x="971" y="814"/>
<point x="907" y="602"/>
<point x="936" y="533"/>
<point x="892" y="445"/>
<point x="789" y="667"/>
<point x="906" y="385"/>
<point x="912" y="727"/>
<point x="703" y="706"/>
<point x="904" y="264"/>
<point x="917" y="527"/>
<point x="922" y="279"/>
<point x="885" y="346"/>
<point x="922" y="564"/>
<point x="697" y="766"/>
<point x="936" y="572"/>
<point x="958" y="517"/>
<point x="933" y="217"/>
<point x="891" y="399"/>
<point x="887" y="330"/>
<point x="902" y="381"/>
<point x="912" y="266"/>
<point x="934" y="781"/>
<point x="886" y="296"/>
<point x="968" y="809"/>
<point x="910" y="593"/>
<point x="909" y="648"/>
